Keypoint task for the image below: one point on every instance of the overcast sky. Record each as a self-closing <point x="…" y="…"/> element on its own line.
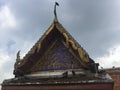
<point x="95" y="24"/>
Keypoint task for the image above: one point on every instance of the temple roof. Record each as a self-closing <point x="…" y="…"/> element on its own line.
<point x="87" y="79"/>
<point x="56" y="30"/>
<point x="56" y="58"/>
<point x="113" y="71"/>
<point x="47" y="47"/>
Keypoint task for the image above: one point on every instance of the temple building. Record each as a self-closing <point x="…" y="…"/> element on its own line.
<point x="57" y="62"/>
<point x="114" y="72"/>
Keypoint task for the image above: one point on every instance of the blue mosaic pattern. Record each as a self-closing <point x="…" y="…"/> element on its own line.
<point x="59" y="58"/>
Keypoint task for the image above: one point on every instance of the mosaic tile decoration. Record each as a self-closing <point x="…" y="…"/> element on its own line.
<point x="58" y="57"/>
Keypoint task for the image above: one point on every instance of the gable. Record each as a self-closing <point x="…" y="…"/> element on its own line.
<point x="39" y="56"/>
<point x="57" y="57"/>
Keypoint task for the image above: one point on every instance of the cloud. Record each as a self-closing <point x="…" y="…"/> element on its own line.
<point x="112" y="58"/>
<point x="1" y="3"/>
<point x="7" y="23"/>
<point x="6" y="18"/>
<point x="94" y="24"/>
<point x="5" y="72"/>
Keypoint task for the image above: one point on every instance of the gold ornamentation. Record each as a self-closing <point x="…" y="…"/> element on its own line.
<point x="66" y="37"/>
<point x="18" y="56"/>
<point x="49" y="30"/>
<point x="73" y="44"/>
<point x="83" y="55"/>
<point x="18" y="61"/>
<point x="39" y="46"/>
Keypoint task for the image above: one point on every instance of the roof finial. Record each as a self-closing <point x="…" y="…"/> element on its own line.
<point x="18" y="56"/>
<point x="56" y="4"/>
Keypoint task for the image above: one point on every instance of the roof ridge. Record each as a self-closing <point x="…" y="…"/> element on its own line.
<point x="70" y="36"/>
